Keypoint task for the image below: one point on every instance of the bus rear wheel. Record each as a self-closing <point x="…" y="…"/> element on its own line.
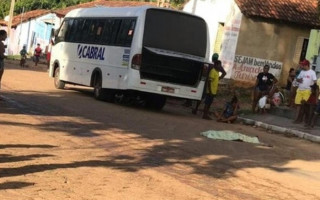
<point x="155" y="101"/>
<point x="57" y="82"/>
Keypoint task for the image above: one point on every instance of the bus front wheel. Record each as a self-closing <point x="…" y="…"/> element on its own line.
<point x="57" y="82"/>
<point x="98" y="92"/>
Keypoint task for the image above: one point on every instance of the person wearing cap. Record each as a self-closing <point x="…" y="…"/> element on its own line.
<point x="306" y="78"/>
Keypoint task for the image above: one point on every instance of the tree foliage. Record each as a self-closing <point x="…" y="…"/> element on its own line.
<point x="27" y="5"/>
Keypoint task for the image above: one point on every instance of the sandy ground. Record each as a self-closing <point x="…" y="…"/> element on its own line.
<point x="62" y="144"/>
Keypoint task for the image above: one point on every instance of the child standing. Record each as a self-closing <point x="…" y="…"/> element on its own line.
<point x="23" y="54"/>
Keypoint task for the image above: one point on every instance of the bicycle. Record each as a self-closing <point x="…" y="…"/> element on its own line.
<point x="23" y="61"/>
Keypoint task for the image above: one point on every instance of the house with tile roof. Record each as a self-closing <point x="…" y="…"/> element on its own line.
<point x="28" y="29"/>
<point x="251" y="33"/>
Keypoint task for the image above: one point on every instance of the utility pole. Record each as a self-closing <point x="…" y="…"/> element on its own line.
<point x="10" y="17"/>
<point x="194" y="6"/>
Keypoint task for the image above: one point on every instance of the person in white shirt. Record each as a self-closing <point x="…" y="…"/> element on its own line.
<point x="306" y="78"/>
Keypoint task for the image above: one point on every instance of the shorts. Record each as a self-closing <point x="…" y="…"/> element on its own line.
<point x="209" y="99"/>
<point x="302" y="95"/>
<point x="317" y="111"/>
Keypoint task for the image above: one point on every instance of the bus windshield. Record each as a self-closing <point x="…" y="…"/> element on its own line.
<point x="177" y="32"/>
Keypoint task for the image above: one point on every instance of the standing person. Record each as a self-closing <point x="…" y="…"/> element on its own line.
<point x="264" y="85"/>
<point x="219" y="67"/>
<point x="37" y="54"/>
<point x="212" y="88"/>
<point x="311" y="104"/>
<point x="306" y="78"/>
<point x="294" y="87"/>
<point x="291" y="76"/>
<point x="3" y="36"/>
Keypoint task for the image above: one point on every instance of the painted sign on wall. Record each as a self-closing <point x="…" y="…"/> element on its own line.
<point x="246" y="68"/>
<point x="230" y="39"/>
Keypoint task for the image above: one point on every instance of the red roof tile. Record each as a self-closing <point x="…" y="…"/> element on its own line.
<point x="106" y="3"/>
<point x="301" y="12"/>
<point x="25" y="17"/>
<point x="62" y="12"/>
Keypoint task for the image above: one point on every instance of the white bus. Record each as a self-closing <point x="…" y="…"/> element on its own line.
<point x="132" y="53"/>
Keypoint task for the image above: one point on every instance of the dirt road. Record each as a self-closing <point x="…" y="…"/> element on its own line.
<point x="63" y="144"/>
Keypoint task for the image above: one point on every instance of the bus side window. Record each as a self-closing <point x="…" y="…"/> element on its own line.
<point x="96" y="31"/>
<point x="109" y="32"/>
<point x="78" y="30"/>
<point x="73" y="31"/>
<point x="105" y="36"/>
<point x="62" y="32"/>
<point x="85" y="31"/>
<point x="115" y="27"/>
<point x="125" y="35"/>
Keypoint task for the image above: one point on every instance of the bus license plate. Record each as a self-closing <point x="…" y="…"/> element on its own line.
<point x="167" y="89"/>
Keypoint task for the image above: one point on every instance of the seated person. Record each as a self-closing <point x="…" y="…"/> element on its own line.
<point x="229" y="114"/>
<point x="264" y="85"/>
<point x="23" y="54"/>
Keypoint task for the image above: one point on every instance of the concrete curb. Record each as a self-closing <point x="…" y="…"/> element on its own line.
<point x="280" y="129"/>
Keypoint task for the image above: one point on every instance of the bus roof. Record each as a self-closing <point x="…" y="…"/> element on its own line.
<point x="116" y="11"/>
<point x="108" y="11"/>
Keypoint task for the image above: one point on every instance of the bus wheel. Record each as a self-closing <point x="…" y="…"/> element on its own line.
<point x="156" y="102"/>
<point x="57" y="82"/>
<point x="98" y="92"/>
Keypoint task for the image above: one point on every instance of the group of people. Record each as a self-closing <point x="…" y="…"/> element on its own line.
<point x="24" y="53"/>
<point x="303" y="91"/>
<point x="215" y="73"/>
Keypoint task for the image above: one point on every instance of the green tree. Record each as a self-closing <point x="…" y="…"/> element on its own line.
<point x="28" y="5"/>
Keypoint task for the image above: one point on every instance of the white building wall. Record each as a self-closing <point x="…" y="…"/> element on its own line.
<point x="213" y="12"/>
<point x="23" y="34"/>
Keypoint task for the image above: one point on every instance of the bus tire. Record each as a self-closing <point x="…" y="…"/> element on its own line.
<point x="57" y="82"/>
<point x="156" y="102"/>
<point x="98" y="92"/>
